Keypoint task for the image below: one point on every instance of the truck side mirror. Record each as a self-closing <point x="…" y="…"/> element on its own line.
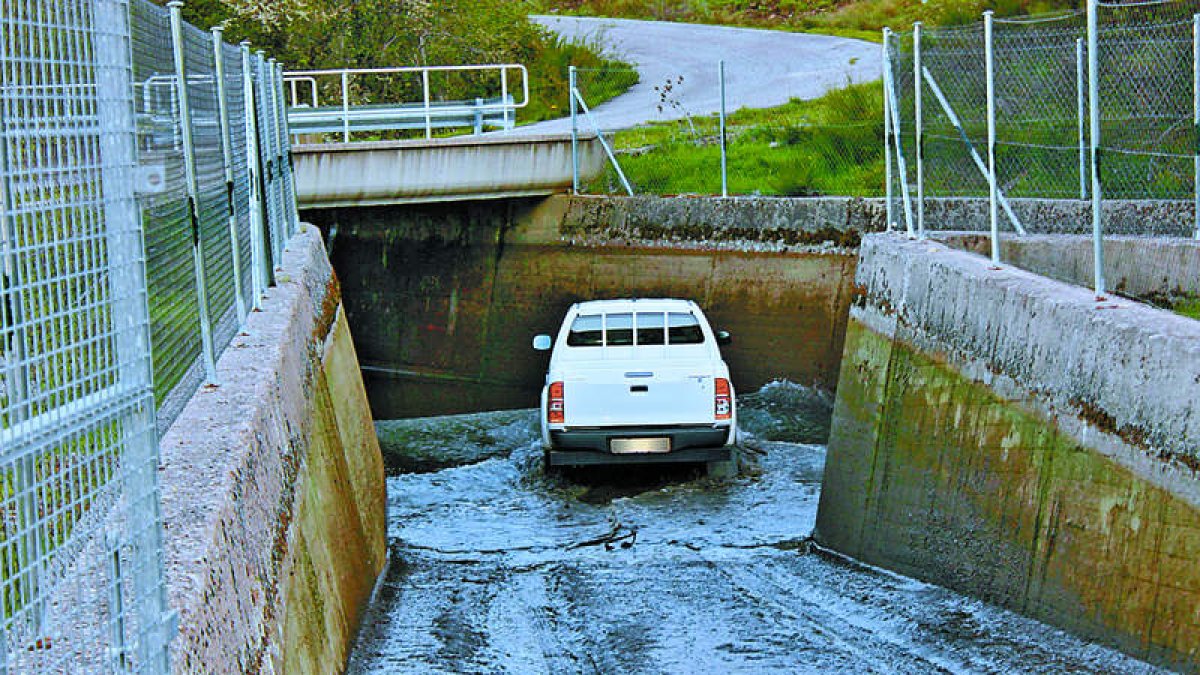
<point x="541" y="343"/>
<point x="724" y="338"/>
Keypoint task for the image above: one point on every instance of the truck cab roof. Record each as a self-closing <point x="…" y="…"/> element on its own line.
<point x="634" y="304"/>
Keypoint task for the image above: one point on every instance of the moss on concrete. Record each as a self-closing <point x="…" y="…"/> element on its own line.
<point x="933" y="474"/>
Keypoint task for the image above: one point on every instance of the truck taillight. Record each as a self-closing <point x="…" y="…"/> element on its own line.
<point x="555" y="405"/>
<point x="723" y="400"/>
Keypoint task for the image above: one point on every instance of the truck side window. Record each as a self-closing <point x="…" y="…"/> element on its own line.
<point x="620" y="330"/>
<point x="650" y="330"/>
<point x="684" y="329"/>
<point x="586" y="331"/>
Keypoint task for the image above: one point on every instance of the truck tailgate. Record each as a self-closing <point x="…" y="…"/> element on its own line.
<point x="628" y="393"/>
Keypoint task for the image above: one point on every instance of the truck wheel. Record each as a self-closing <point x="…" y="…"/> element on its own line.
<point x="725" y="469"/>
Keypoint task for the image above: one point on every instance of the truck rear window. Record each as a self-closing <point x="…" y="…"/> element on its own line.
<point x="684" y="329"/>
<point x="652" y="328"/>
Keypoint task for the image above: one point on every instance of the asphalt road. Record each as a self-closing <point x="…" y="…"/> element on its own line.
<point x="763" y="68"/>
<point x="499" y="568"/>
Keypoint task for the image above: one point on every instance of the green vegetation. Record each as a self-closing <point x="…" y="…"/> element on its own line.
<point x="850" y="18"/>
<point x="1189" y="307"/>
<point x="828" y="146"/>
<point x="317" y="34"/>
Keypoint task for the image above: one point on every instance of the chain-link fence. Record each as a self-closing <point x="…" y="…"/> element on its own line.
<point x="1041" y="123"/>
<point x="143" y="204"/>
<point x="1096" y="105"/>
<point x="830" y="146"/>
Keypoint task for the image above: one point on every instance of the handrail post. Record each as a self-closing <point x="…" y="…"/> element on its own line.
<point x="227" y="154"/>
<point x="504" y="106"/>
<point x="1097" y="190"/>
<point x="724" y="138"/>
<point x="574" y="131"/>
<point x="919" y="128"/>
<point x="425" y="89"/>
<point x="993" y="197"/>
<point x="189" y="164"/>
<point x="345" y="106"/>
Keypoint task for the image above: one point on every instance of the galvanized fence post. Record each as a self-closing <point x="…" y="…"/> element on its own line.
<point x="1093" y="31"/>
<point x="990" y="66"/>
<point x="189" y="151"/>
<point x="724" y="137"/>
<point x="131" y="324"/>
<point x="919" y="128"/>
<point x="1080" y="104"/>
<point x="1196" y="120"/>
<point x="887" y="134"/>
<point x="285" y="144"/>
<point x="227" y="153"/>
<point x="889" y="81"/>
<point x="572" y="82"/>
<point x="260" y="274"/>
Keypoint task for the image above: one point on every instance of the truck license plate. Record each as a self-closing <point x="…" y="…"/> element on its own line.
<point x="630" y="446"/>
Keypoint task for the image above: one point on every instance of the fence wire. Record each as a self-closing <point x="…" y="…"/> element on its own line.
<point x="118" y="241"/>
<point x="794" y="149"/>
<point x="1145" y="104"/>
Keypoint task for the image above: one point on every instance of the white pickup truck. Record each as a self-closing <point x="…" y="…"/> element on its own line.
<point x="636" y="381"/>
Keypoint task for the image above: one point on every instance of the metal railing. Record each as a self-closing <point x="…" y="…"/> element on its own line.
<point x="383" y="104"/>
<point x="145" y="194"/>
<point x="1095" y="105"/>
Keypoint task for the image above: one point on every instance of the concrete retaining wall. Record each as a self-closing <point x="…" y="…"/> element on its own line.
<point x="444" y="299"/>
<point x="1160" y="271"/>
<point x="1006" y="435"/>
<point x="273" y="490"/>
<point x="778" y="218"/>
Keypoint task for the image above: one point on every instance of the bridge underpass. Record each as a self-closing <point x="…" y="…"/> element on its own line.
<point x="506" y="568"/>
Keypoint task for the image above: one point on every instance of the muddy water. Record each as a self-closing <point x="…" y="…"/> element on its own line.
<point x="500" y="568"/>
<point x="444" y="302"/>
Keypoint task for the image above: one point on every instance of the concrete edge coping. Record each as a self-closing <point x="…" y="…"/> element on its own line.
<point x="495" y="138"/>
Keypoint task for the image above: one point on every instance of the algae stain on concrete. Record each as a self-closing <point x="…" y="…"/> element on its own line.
<point x="934" y="475"/>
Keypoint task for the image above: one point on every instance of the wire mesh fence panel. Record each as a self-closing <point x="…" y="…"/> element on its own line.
<point x="82" y="584"/>
<point x="97" y="274"/>
<point x="954" y="107"/>
<point x="1041" y="99"/>
<point x="1146" y="94"/>
<point x="174" y="313"/>
<point x="239" y="168"/>
<point x="212" y="198"/>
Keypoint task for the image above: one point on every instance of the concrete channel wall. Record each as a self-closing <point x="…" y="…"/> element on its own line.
<point x="444" y="299"/>
<point x="1010" y="437"/>
<point x="273" y="489"/>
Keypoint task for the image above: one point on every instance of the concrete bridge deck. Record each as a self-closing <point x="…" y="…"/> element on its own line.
<point x="461" y="168"/>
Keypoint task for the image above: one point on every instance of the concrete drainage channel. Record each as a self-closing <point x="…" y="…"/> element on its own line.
<point x="970" y="446"/>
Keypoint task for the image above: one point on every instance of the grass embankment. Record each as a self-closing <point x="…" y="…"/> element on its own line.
<point x="832" y="145"/>
<point x="379" y="33"/>
<point x="1189" y="308"/>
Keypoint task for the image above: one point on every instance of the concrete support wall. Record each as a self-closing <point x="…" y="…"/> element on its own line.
<point x="273" y="490"/>
<point x="1009" y="437"/>
<point x="445" y="299"/>
<point x="1157" y="270"/>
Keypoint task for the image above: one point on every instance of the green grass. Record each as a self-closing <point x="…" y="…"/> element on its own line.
<point x="828" y="146"/>
<point x="1189" y="307"/>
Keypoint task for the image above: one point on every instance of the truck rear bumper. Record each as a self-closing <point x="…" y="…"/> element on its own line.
<point x="593" y="446"/>
<point x="592" y="457"/>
